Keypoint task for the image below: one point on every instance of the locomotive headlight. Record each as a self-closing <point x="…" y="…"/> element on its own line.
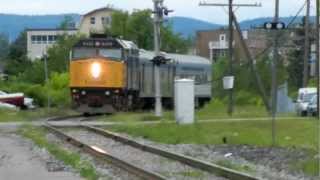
<point x="95" y="70"/>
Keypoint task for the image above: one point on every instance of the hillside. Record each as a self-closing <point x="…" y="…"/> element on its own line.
<point x="188" y="26"/>
<point x="11" y="25"/>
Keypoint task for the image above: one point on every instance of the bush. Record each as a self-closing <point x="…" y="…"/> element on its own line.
<point x="57" y="88"/>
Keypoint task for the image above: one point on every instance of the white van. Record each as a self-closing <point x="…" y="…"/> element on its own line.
<point x="304" y="98"/>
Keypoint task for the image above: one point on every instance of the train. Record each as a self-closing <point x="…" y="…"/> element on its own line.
<point x="109" y="75"/>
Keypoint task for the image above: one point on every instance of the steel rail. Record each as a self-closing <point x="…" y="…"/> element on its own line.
<point x="63" y="118"/>
<point x="144" y="174"/>
<point x="196" y="163"/>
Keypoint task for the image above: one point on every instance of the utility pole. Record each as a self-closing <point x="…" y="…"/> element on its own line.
<point x="230" y="5"/>
<point x="306" y="47"/>
<point x="231" y="58"/>
<point x="318" y="50"/>
<point x="159" y="12"/>
<point x="318" y="71"/>
<point x="158" y="103"/>
<point x="45" y="58"/>
<point x="274" y="65"/>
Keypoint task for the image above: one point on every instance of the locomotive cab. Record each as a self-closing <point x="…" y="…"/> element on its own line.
<point x="98" y="74"/>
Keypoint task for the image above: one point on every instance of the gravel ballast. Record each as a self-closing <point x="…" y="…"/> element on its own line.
<point x="166" y="167"/>
<point x="264" y="163"/>
<point x="106" y="171"/>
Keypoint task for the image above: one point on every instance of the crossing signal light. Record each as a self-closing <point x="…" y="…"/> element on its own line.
<point x="274" y="25"/>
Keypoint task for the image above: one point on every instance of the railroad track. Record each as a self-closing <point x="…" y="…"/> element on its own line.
<point x="145" y="174"/>
<point x="99" y="153"/>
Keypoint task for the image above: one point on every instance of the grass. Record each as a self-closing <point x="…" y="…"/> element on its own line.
<point x="212" y="111"/>
<point x="37" y="135"/>
<point x="31" y="115"/>
<point x="290" y="133"/>
<point x="295" y="133"/>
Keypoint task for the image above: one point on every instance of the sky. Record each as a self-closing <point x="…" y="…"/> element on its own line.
<point x="187" y="8"/>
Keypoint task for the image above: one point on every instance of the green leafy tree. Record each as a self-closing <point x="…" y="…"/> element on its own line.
<point x="59" y="53"/>
<point x="119" y="24"/>
<point x="138" y="27"/>
<point x="4" y="47"/>
<point x="17" y="60"/>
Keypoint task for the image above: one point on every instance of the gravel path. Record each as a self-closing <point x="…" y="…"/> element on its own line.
<point x="106" y="171"/>
<point x="166" y="167"/>
<point x="21" y="159"/>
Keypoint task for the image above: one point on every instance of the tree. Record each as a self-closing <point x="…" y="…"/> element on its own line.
<point x="295" y="57"/>
<point x="59" y="53"/>
<point x="138" y="27"/>
<point x="4" y="47"/>
<point x="17" y="60"/>
<point x="119" y="24"/>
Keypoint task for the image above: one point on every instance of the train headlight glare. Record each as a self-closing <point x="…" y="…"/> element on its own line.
<point x="95" y="70"/>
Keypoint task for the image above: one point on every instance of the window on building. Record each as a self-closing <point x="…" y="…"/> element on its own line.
<point x="38" y="39"/>
<point x="222" y="37"/>
<point x="106" y="20"/>
<point x="50" y="39"/>
<point x="93" y="20"/>
<point x="44" y="39"/>
<point x="33" y="39"/>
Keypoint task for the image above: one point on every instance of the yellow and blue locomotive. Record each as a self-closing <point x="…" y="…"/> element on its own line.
<point x="110" y="74"/>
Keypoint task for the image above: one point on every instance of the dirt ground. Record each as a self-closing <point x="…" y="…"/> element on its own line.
<point x="19" y="161"/>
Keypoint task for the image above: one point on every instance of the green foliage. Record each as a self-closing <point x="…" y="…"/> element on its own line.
<point x="59" y="53"/>
<point x="301" y="133"/>
<point x="4" y="47"/>
<point x="57" y="88"/>
<point x="17" y="60"/>
<point x="246" y="90"/>
<point x="138" y="27"/>
<point x="119" y="24"/>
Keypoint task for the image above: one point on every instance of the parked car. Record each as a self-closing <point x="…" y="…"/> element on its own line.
<point x="16" y="99"/>
<point x="313" y="106"/>
<point x="304" y="98"/>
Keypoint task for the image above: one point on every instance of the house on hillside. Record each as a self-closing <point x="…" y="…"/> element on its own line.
<point x="96" y="21"/>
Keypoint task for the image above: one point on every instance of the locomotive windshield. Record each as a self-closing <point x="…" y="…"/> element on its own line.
<point x="94" y="47"/>
<point x="80" y="53"/>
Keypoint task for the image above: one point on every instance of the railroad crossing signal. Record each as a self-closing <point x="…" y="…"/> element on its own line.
<point x="274" y="25"/>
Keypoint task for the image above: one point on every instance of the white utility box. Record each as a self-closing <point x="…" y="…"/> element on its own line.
<point x="228" y="82"/>
<point x="184" y="96"/>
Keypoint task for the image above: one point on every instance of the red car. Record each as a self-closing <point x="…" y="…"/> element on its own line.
<point x="16" y="99"/>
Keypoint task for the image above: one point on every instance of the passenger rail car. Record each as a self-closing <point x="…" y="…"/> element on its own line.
<point x="109" y="75"/>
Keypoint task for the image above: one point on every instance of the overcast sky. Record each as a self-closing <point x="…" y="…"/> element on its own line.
<point x="188" y="8"/>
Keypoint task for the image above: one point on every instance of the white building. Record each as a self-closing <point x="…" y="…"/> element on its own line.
<point x="40" y="40"/>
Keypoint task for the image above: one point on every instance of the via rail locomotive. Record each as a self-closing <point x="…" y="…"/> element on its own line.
<point x="109" y="75"/>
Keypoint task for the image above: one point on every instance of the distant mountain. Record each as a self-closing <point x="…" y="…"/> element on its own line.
<point x="188" y="26"/>
<point x="247" y="24"/>
<point x="11" y="25"/>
